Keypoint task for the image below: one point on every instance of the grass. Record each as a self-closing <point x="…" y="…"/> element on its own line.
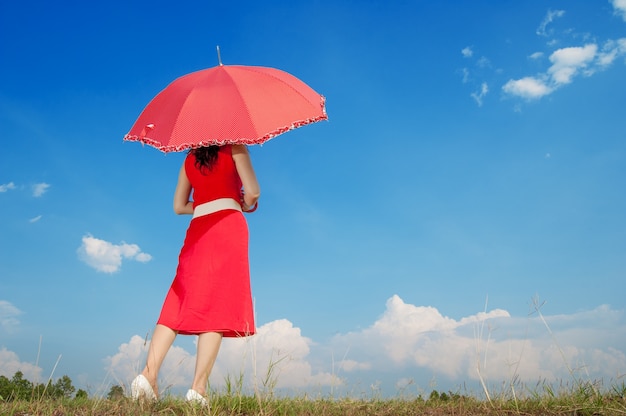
<point x="581" y="399"/>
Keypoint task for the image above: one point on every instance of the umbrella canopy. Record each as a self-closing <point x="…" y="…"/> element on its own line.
<point x="227" y="104"/>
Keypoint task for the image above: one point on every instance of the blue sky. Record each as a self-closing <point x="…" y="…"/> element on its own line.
<point x="459" y="217"/>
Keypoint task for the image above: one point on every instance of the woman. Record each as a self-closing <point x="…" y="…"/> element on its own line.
<point x="210" y="296"/>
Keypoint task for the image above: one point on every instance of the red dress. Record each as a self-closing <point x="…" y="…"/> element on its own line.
<point x="211" y="290"/>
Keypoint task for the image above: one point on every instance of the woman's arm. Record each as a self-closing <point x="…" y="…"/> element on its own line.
<point x="251" y="188"/>
<point x="182" y="204"/>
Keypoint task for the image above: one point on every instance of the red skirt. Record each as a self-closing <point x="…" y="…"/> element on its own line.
<point x="211" y="290"/>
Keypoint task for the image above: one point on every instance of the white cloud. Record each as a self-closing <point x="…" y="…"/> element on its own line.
<point x="278" y="347"/>
<point x="143" y="257"/>
<point x="39" y="189"/>
<point x="478" y="96"/>
<point x="493" y="344"/>
<point x="528" y="87"/>
<point x="620" y="8"/>
<point x="405" y="342"/>
<point x="8" y="316"/>
<point x="481" y="63"/>
<point x="550" y="16"/>
<point x="611" y="50"/>
<point x="275" y="355"/>
<point x="467" y="52"/>
<point x="7" y="186"/>
<point x="10" y="364"/>
<point x="107" y="257"/>
<point x="567" y="62"/>
<point x="177" y="369"/>
<point x="414" y="336"/>
<point x="35" y="219"/>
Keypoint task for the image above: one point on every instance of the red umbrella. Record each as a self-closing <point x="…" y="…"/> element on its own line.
<point x="227" y="104"/>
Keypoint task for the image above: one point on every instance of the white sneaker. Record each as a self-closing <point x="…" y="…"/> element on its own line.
<point x="194" y="397"/>
<point x="141" y="389"/>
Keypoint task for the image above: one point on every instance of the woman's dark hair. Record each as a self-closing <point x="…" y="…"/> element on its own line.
<point x="205" y="156"/>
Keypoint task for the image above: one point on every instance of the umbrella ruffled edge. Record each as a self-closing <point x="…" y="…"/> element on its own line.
<point x="247" y="141"/>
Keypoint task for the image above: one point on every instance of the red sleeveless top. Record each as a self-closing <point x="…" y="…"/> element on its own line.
<point x="221" y="181"/>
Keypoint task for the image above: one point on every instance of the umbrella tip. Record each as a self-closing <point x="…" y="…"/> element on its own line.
<point x="219" y="57"/>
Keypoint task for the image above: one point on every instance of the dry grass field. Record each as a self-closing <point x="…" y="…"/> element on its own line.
<point x="582" y="399"/>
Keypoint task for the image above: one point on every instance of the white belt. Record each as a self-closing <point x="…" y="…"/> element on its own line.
<point x="216" y="205"/>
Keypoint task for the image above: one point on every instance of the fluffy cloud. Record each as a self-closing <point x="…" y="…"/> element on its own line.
<point x="276" y="356"/>
<point x="406" y="342"/>
<point x="107" y="257"/>
<point x="8" y="316"/>
<point x="492" y="345"/>
<point x="130" y="358"/>
<point x="10" y="364"/>
<point x="567" y="63"/>
<point x="611" y="50"/>
<point x="528" y="87"/>
<point x="620" y="8"/>
<point x="416" y="336"/>
<point x="7" y="186"/>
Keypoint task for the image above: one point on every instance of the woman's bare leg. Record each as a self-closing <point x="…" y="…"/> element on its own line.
<point x="208" y="347"/>
<point x="162" y="340"/>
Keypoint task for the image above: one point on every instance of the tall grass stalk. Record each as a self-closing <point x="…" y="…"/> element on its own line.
<point x="478" y="338"/>
<point x="51" y="375"/>
<point x="537" y="308"/>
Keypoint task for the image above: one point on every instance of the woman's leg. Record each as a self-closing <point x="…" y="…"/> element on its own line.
<point x="162" y="340"/>
<point x="208" y="347"/>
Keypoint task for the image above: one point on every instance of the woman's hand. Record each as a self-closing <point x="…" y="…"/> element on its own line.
<point x="245" y="207"/>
